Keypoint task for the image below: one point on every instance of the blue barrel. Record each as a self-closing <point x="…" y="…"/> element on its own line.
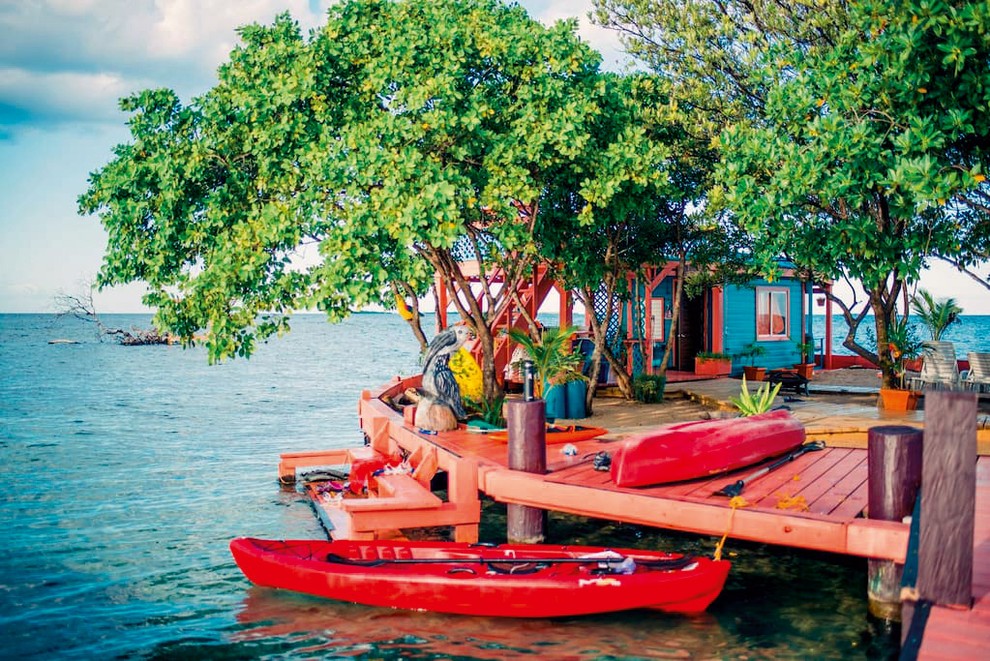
<point x="556" y="400"/>
<point x="576" y="391"/>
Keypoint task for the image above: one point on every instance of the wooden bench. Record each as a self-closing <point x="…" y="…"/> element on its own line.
<point x="788" y="379"/>
<point x="393" y="492"/>
<point x="289" y="462"/>
<point x="395" y="501"/>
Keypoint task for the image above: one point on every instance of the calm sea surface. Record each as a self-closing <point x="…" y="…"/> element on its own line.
<point x="128" y="469"/>
<point x="970" y="333"/>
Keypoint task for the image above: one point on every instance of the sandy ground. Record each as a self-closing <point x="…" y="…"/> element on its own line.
<point x="622" y="417"/>
<point x="857" y="377"/>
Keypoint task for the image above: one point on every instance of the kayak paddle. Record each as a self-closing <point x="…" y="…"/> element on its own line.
<point x="672" y="563"/>
<point x="736" y="488"/>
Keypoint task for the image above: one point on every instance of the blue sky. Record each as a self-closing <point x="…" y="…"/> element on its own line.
<point x="63" y="66"/>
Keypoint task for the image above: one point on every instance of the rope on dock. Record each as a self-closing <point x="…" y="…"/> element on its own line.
<point x="734" y="502"/>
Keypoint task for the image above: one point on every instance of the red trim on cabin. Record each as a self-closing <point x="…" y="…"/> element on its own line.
<point x="718" y="319"/>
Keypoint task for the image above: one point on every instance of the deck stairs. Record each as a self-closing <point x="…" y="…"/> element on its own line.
<point x="532" y="293"/>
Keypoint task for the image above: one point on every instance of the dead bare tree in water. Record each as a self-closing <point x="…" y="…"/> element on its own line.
<point x="80" y="306"/>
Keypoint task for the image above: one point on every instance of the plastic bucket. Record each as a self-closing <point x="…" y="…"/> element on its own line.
<point x="556" y="401"/>
<point x="576" y="391"/>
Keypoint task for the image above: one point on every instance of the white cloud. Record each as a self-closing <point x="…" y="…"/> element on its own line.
<point x="61" y="95"/>
<point x="65" y="60"/>
<point x="604" y="41"/>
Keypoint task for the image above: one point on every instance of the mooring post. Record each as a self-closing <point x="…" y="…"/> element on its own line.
<point x="894" y="461"/>
<point x="948" y="503"/>
<point x="526" y="420"/>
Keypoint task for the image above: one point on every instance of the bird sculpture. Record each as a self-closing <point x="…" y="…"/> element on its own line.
<point x="439" y="383"/>
<point x="429" y="414"/>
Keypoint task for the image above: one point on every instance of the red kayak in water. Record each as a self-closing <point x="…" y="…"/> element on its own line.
<point x="521" y="580"/>
<point x="690" y="450"/>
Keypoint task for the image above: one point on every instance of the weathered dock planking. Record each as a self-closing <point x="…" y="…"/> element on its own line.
<point x="815" y="502"/>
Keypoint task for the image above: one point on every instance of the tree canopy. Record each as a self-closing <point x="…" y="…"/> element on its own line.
<point x="336" y="170"/>
<point x="339" y="169"/>
<point x="383" y="148"/>
<point x="853" y="136"/>
<point x="872" y="152"/>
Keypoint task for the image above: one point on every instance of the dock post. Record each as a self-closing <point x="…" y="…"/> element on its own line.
<point x="948" y="510"/>
<point x="894" y="458"/>
<point x="527" y="427"/>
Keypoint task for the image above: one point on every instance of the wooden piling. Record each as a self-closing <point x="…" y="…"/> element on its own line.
<point x="894" y="455"/>
<point x="942" y="566"/>
<point x="527" y="452"/>
<point x="945" y="548"/>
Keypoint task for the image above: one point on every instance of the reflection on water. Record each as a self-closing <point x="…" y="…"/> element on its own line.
<point x="269" y="618"/>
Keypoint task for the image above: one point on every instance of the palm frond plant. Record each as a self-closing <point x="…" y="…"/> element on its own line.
<point x="487" y="411"/>
<point x="752" y="351"/>
<point x="936" y="314"/>
<point x="904" y="345"/>
<point x="551" y="355"/>
<point x="755" y="404"/>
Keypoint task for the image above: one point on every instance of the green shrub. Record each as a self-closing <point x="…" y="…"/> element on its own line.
<point x="648" y="388"/>
<point x="489" y="412"/>
<point x="709" y="355"/>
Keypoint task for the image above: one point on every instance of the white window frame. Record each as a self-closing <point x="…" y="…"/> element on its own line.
<point x="765" y="299"/>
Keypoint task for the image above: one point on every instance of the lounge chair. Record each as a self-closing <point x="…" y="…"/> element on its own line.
<point x="978" y="378"/>
<point x="939" y="369"/>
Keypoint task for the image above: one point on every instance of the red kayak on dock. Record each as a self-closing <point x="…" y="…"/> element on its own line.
<point x="690" y="450"/>
<point x="524" y="580"/>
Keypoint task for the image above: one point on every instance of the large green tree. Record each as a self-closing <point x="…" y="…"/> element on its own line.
<point x="640" y="204"/>
<point x="604" y="223"/>
<point x="870" y="156"/>
<point x="853" y="135"/>
<point x="396" y="134"/>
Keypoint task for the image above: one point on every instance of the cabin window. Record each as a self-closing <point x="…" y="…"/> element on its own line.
<point x="772" y="304"/>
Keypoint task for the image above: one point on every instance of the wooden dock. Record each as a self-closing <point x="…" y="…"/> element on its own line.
<point x="815" y="502"/>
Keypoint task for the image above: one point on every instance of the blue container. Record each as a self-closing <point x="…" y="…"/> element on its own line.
<point x="576" y="391"/>
<point x="556" y="401"/>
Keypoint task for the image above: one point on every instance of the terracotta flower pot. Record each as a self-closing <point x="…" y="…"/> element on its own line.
<point x="754" y="373"/>
<point x="899" y="400"/>
<point x="712" y="366"/>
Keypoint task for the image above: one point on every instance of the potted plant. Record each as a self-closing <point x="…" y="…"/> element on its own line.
<point x="751" y="371"/>
<point x="806" y="367"/>
<point x="553" y="360"/>
<point x="707" y="363"/>
<point x="575" y="387"/>
<point x="904" y="346"/>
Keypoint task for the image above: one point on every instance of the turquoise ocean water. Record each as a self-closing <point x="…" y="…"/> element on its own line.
<point x="970" y="333"/>
<point x="128" y="469"/>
